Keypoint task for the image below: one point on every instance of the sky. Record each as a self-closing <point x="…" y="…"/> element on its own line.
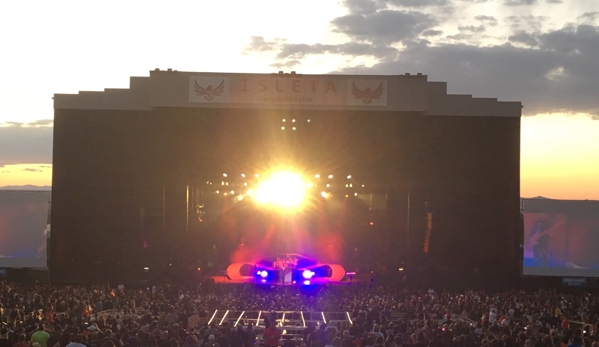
<point x="544" y="53"/>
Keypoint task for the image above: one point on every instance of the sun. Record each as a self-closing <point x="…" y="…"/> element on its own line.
<point x="284" y="190"/>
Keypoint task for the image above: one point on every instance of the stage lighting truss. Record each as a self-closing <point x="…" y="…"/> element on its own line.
<point x="287" y="189"/>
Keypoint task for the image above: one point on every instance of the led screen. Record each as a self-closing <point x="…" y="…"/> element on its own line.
<point x="23" y="222"/>
<point x="561" y="238"/>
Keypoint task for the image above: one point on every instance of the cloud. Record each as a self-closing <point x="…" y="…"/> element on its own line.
<point x="258" y="44"/>
<point x="21" y="144"/>
<point x="490" y="20"/>
<point x="286" y="64"/>
<point x="298" y="51"/>
<point x="362" y="6"/>
<point x="591" y="16"/>
<point x="548" y="70"/>
<point x="459" y="37"/>
<point x="418" y="3"/>
<point x="432" y="32"/>
<point x="523" y="37"/>
<point x="519" y="2"/>
<point x="472" y="28"/>
<point x="384" y="27"/>
<point x="37" y="123"/>
<point x="13" y="124"/>
<point x="41" y="122"/>
<point x="26" y="187"/>
<point x="484" y="18"/>
<point x="549" y="79"/>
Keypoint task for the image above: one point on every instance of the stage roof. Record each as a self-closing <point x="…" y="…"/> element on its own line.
<point x="289" y="91"/>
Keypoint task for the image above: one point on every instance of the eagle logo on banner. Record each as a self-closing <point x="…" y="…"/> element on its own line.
<point x="367" y="95"/>
<point x="209" y="92"/>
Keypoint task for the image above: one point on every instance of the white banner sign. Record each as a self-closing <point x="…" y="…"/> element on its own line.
<point x="288" y="90"/>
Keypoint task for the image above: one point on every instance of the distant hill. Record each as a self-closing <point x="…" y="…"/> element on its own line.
<point x="26" y="187"/>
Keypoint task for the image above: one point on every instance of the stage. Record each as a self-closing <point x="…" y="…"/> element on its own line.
<point x="158" y="180"/>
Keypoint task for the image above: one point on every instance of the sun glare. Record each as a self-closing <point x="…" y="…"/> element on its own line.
<point x="283" y="189"/>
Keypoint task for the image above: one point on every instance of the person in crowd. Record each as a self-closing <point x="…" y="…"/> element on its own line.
<point x="40" y="336"/>
<point x="272" y="335"/>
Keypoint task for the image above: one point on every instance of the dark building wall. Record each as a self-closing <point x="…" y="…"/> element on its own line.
<point x="122" y="179"/>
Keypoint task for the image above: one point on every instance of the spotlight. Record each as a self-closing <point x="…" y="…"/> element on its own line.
<point x="307" y="274"/>
<point x="306" y="282"/>
<point x="263" y="274"/>
<point x="283" y="189"/>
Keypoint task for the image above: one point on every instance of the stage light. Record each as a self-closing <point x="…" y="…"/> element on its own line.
<point x="349" y="176"/>
<point x="282" y="189"/>
<point x="225" y="175"/>
<point x="330" y="176"/>
<point x="243" y="175"/>
<point x="263" y="274"/>
<point x="306" y="282"/>
<point x="307" y="274"/>
<point x="317" y="176"/>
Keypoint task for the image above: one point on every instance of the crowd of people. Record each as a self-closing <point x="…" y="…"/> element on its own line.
<point x="171" y="316"/>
